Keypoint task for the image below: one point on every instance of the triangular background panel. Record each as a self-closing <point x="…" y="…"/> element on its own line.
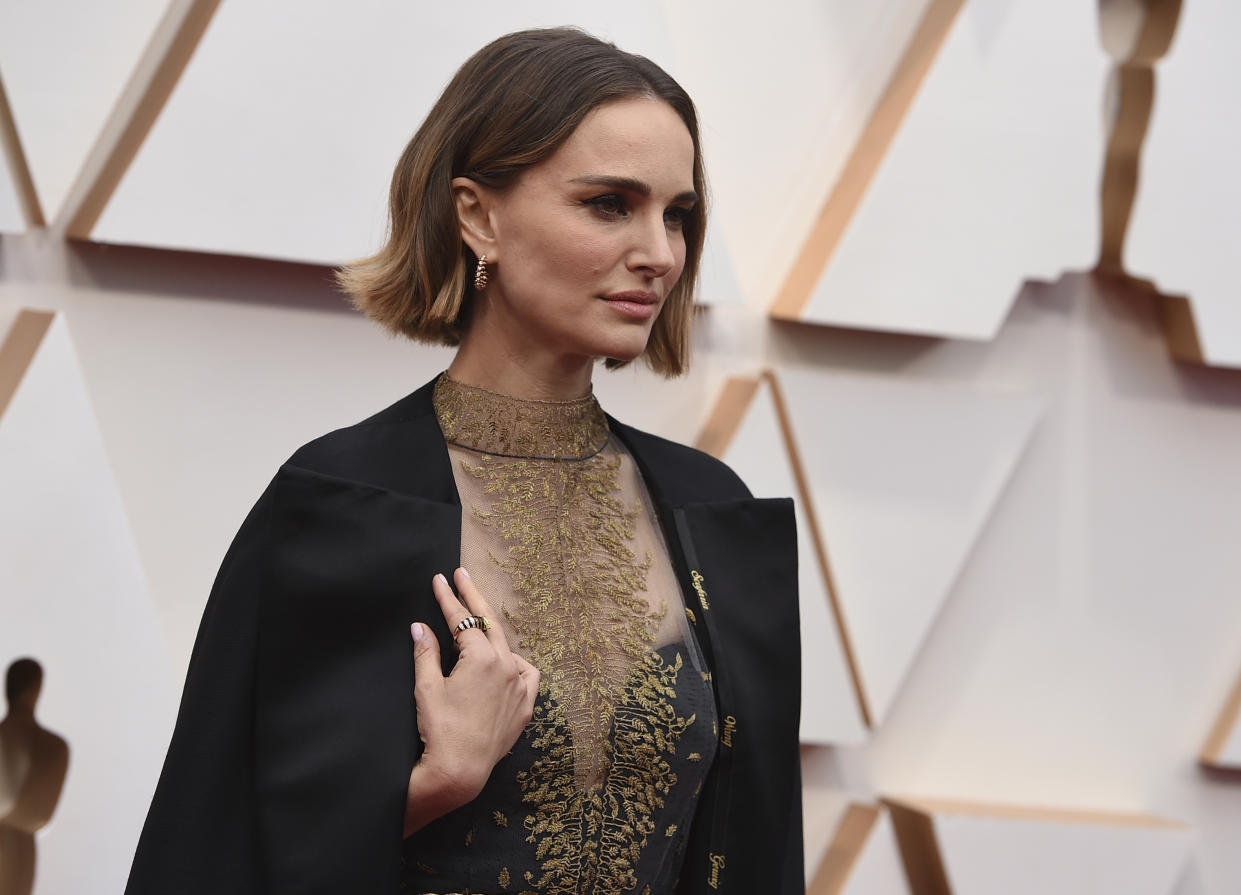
<point x="73" y="595"/>
<point x="14" y="170"/>
<point x="65" y="64"/>
<point x="902" y="479"/>
<point x="862" y="858"/>
<point x="757" y="451"/>
<point x="292" y="119"/>
<point x="967" y="849"/>
<point x="1223" y="749"/>
<point x="11" y="220"/>
<point x="1185" y="228"/>
<point x="807" y="70"/>
<point x="991" y="178"/>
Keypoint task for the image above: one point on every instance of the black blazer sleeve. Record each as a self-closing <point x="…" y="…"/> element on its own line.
<point x="201" y="834"/>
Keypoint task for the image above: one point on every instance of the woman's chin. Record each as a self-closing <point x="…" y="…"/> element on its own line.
<point x="624" y="354"/>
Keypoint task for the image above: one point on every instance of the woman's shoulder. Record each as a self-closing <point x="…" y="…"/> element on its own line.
<point x="399" y="449"/>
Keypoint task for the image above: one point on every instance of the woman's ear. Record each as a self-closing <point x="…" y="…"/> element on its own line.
<point x="475" y="206"/>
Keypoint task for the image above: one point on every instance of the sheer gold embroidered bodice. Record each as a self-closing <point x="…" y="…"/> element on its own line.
<point x="559" y="533"/>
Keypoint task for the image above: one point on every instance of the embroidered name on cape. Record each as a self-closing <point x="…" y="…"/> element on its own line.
<point x="730" y="725"/>
<point x="696" y="577"/>
<point x="717" y="864"/>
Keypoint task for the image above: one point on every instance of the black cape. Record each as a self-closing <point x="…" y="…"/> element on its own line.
<point x="289" y="764"/>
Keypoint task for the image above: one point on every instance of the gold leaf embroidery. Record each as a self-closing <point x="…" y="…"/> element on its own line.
<point x="588" y="841"/>
<point x="583" y="617"/>
<point x="499" y="818"/>
<point x="606" y="724"/>
<point x="504" y="880"/>
<point x="506" y="427"/>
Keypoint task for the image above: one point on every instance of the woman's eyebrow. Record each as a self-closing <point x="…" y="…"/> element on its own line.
<point x="632" y="184"/>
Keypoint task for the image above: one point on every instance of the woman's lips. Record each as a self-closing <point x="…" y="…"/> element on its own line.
<point x="636" y="304"/>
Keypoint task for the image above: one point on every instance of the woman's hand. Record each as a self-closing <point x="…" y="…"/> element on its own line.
<point x="469" y="720"/>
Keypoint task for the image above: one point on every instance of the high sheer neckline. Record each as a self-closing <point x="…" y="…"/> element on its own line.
<point x="492" y="423"/>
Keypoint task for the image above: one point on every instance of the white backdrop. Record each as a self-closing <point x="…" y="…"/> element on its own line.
<point x="74" y="597"/>
<point x="1091" y="635"/>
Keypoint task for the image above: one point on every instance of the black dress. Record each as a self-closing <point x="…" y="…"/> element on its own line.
<point x="559" y="533"/>
<point x="288" y="768"/>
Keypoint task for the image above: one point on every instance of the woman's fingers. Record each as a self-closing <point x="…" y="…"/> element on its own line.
<point x="453" y="609"/>
<point x="478" y="605"/>
<point x="529" y="676"/>
<point x="428" y="678"/>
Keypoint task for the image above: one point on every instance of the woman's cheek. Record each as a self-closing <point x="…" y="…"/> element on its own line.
<point x="595" y="256"/>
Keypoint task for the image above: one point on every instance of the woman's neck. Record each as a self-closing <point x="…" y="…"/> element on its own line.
<point x="528" y="374"/>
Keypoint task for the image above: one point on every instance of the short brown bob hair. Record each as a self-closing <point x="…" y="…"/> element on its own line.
<point x="511" y="105"/>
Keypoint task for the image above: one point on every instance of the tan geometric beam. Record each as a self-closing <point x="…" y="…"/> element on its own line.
<point x="717" y="434"/>
<point x="820" y="542"/>
<point x="1223" y="746"/>
<point x="862" y="858"/>
<point x="858" y="452"/>
<point x="915" y="831"/>
<point x="725" y="418"/>
<point x="964" y="848"/>
<point x="1135" y="51"/>
<point x="844" y="850"/>
<point x="1136" y="46"/>
<point x="140" y="103"/>
<point x="19" y="168"/>
<point x="869" y="151"/>
<point x="19" y="349"/>
<point x="1169" y="179"/>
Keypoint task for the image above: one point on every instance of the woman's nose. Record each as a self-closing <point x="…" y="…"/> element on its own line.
<point x="655" y="252"/>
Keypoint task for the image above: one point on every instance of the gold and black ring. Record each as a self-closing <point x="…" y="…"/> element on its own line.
<point x="471" y="621"/>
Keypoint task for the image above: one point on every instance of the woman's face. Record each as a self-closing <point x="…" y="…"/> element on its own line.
<point x="588" y="243"/>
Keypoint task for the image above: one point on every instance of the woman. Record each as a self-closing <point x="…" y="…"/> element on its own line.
<point x="609" y="703"/>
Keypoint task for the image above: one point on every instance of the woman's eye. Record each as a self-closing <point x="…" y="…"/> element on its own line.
<point x="676" y="217"/>
<point x="611" y="205"/>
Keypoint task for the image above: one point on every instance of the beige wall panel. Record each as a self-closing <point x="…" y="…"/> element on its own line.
<point x="757" y="452"/>
<point x="1090" y="638"/>
<point x="280" y="138"/>
<point x="991" y="178"/>
<point x="1223" y="748"/>
<point x="783" y="90"/>
<point x="902" y="478"/>
<point x="862" y="858"/>
<point x="1092" y="635"/>
<point x="11" y="220"/>
<point x="1185" y="227"/>
<point x="1230" y="755"/>
<point x="987" y="849"/>
<point x="65" y="63"/>
<point x="16" y="188"/>
<point x="73" y="595"/>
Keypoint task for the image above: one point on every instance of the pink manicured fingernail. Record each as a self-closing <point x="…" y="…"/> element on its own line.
<point x="464" y="572"/>
<point x="417" y="630"/>
<point x="439" y="576"/>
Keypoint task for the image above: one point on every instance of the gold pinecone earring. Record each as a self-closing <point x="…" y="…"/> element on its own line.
<point x="480" y="274"/>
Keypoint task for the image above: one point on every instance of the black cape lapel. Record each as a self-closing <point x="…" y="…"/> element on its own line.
<point x="736" y="558"/>
<point x="289" y="763"/>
